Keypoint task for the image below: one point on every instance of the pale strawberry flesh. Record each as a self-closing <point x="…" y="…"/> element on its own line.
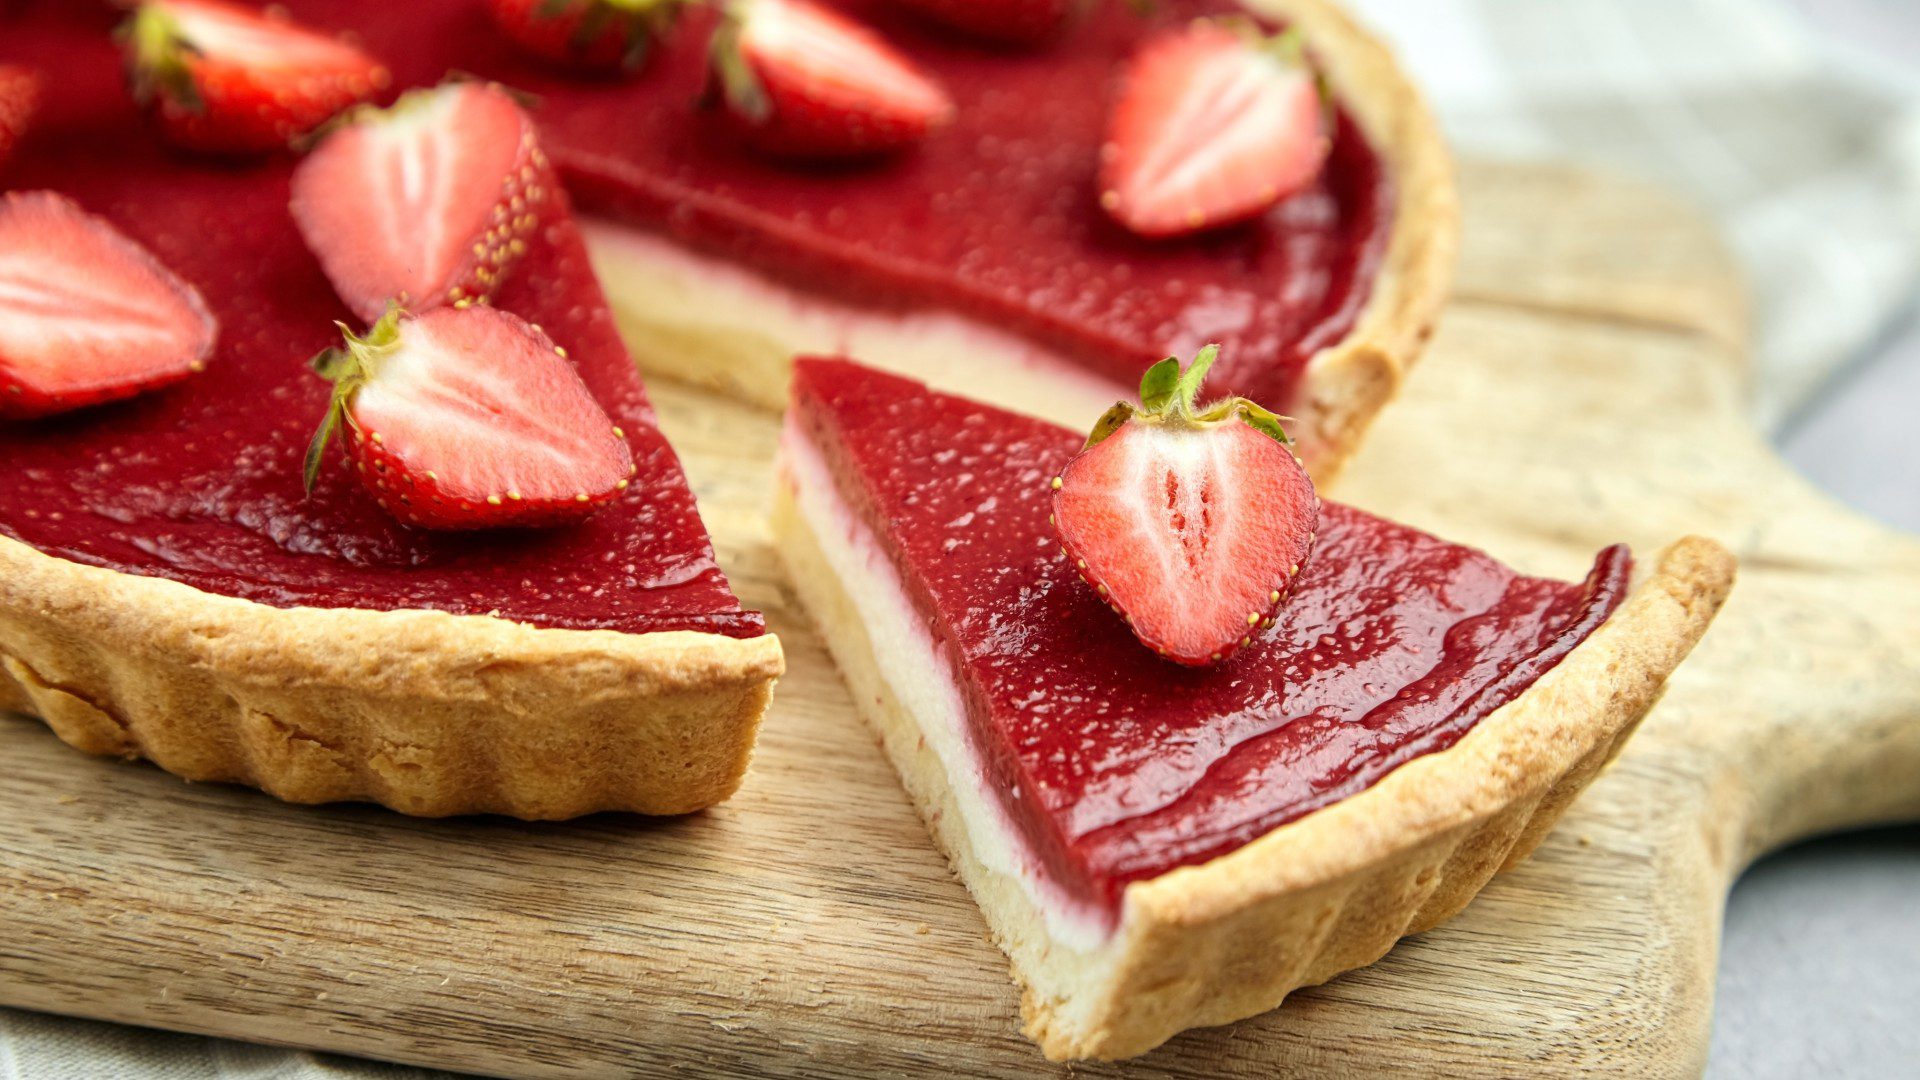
<point x="474" y="419"/>
<point x="1211" y="128"/>
<point x="86" y="314"/>
<point x="827" y="86"/>
<point x="1193" y="534"/>
<point x="425" y="203"/>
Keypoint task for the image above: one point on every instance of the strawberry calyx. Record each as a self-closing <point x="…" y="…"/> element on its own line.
<point x="640" y="22"/>
<point x="348" y="367"/>
<point x="1169" y="396"/>
<point x="733" y="72"/>
<point x="159" y="58"/>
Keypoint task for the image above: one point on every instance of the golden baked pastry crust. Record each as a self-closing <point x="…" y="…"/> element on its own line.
<point x="425" y="712"/>
<point x="1346" y="384"/>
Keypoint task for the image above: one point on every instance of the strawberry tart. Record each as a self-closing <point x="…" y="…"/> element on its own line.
<point x="764" y="179"/>
<point x="1175" y="816"/>
<point x="455" y="570"/>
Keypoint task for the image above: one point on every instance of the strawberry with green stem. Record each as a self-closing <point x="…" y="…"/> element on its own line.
<point x="469" y="418"/>
<point x="1191" y="521"/>
<point x="801" y="80"/>
<point x="228" y="79"/>
<point x="597" y="36"/>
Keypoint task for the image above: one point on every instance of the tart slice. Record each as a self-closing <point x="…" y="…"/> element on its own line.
<point x="1159" y="847"/>
<point x="169" y="590"/>
<point x="982" y="256"/>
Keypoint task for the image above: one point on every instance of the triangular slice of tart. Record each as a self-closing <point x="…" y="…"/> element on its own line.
<point x="169" y="591"/>
<point x="1159" y="847"/>
<point x="981" y="257"/>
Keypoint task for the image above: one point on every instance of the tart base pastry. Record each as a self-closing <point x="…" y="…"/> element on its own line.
<point x="422" y="711"/>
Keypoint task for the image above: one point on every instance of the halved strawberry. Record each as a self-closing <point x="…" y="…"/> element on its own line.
<point x="230" y="79"/>
<point x="469" y="418"/>
<point x="588" y="35"/>
<point x="806" y="81"/>
<point x="424" y="203"/>
<point x="1191" y="522"/>
<point x="1215" y="123"/>
<point x="1012" y="22"/>
<point x="86" y="314"/>
<point x="19" y="100"/>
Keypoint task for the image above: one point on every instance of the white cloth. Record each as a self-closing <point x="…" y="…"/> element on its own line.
<point x="1808" y="154"/>
<point x="1805" y="149"/>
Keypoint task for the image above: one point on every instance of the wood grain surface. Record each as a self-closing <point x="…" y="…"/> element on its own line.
<point x="1586" y="387"/>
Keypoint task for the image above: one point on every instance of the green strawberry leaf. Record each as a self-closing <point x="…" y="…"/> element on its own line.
<point x="1264" y="420"/>
<point x="1157" y="386"/>
<point x="1196" y="374"/>
<point x="1111" y="421"/>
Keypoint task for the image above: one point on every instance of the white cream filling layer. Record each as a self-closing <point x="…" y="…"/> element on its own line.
<point x="709" y="320"/>
<point x="921" y="681"/>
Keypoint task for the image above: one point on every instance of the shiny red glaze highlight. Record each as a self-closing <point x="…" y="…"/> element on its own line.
<point x="1118" y="765"/>
<point x="201" y="483"/>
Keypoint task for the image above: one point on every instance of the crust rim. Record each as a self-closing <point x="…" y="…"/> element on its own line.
<point x="1337" y="888"/>
<point x="424" y="712"/>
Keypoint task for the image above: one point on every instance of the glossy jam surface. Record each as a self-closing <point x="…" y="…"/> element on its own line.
<point x="201" y="483"/>
<point x="1120" y="765"/>
<point x="996" y="218"/>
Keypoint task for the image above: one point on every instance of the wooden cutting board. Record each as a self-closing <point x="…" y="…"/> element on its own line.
<point x="1585" y="388"/>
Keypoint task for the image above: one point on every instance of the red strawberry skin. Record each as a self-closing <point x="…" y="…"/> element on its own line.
<point x="1011" y="22"/>
<point x="428" y="202"/>
<point x="804" y="81"/>
<point x="226" y="79"/>
<point x="1190" y="521"/>
<point x="1214" y="124"/>
<point x="592" y="36"/>
<point x="471" y="418"/>
<point x="86" y="314"/>
<point x="20" y="90"/>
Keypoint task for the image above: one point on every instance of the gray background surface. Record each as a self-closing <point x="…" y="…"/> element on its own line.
<point x="1820" y="961"/>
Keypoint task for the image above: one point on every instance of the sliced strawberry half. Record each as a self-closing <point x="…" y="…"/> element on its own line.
<point x="1191" y="522"/>
<point x="1215" y="123"/>
<point x="805" y="81"/>
<point x="19" y="100"/>
<point x="86" y="314"/>
<point x="1012" y="22"/>
<point x="588" y="35"/>
<point x="230" y="79"/>
<point x="469" y="418"/>
<point x="424" y="203"/>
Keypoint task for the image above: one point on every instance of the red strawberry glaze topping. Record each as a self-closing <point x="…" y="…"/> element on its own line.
<point x="1118" y="765"/>
<point x="201" y="482"/>
<point x="996" y="216"/>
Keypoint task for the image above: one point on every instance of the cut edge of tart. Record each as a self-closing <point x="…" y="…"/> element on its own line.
<point x="1229" y="937"/>
<point x="425" y="712"/>
<point x="679" y="308"/>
